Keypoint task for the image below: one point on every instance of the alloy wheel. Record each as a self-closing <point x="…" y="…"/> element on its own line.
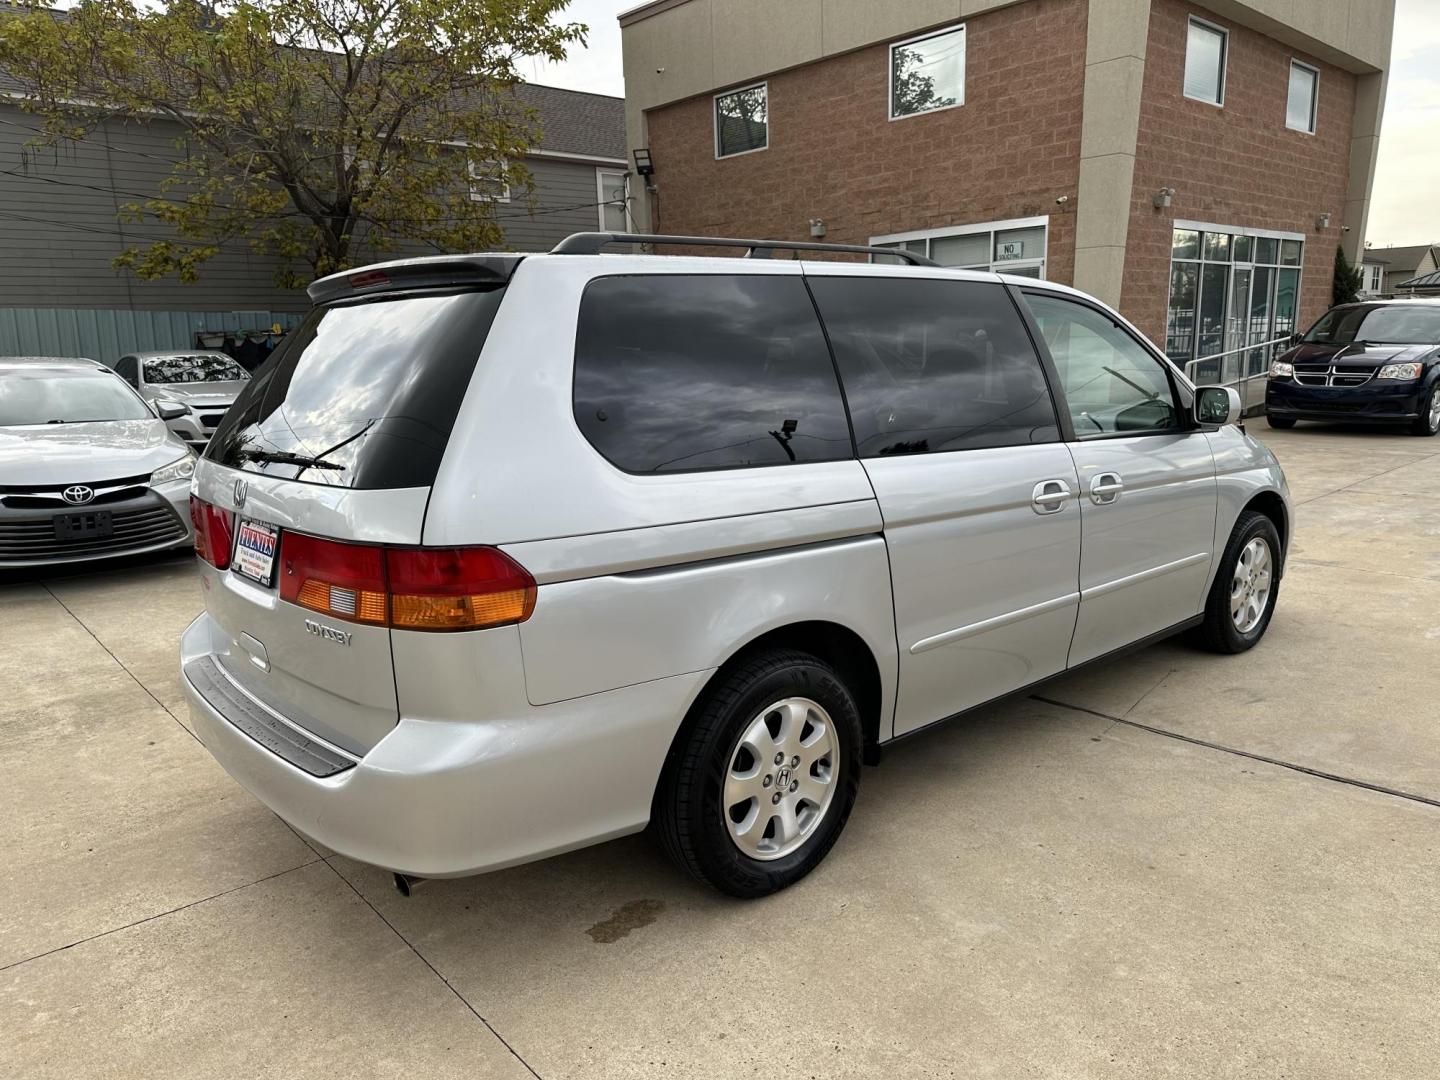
<point x="781" y="778"/>
<point x="1250" y="587"/>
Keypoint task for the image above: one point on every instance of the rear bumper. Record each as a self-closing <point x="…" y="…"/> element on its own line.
<point x="446" y="798"/>
<point x="158" y="520"/>
<point x="1371" y="403"/>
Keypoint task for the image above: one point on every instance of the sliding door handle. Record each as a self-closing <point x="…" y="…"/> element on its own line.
<point x="1105" y="488"/>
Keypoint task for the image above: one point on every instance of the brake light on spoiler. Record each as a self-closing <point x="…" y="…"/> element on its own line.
<point x="406" y="588"/>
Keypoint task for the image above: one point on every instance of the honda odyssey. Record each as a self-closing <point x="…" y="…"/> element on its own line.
<point x="504" y="555"/>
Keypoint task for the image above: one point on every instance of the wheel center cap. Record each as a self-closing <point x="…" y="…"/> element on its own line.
<point x="782" y="778"/>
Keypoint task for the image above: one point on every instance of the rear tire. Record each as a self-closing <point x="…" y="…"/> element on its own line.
<point x="1242" y="597"/>
<point x="1428" y="422"/>
<point x="778" y="703"/>
<point x="1284" y="423"/>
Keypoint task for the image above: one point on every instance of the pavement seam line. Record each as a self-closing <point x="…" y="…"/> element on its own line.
<point x="1320" y="774"/>
<point x="120" y="663"/>
<point x="434" y="970"/>
<point x="1366" y="480"/>
<point x="157" y="915"/>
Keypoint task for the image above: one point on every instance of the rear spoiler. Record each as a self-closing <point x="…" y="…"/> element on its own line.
<point x="430" y="272"/>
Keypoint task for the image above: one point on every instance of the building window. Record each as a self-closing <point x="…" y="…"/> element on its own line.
<point x="1374" y="279"/>
<point x="927" y="73"/>
<point x="614" y="200"/>
<point x="1230" y="288"/>
<point x="1205" y="55"/>
<point x="1006" y="247"/>
<point x="1304" y="96"/>
<point x="742" y="120"/>
<point x="488" y="182"/>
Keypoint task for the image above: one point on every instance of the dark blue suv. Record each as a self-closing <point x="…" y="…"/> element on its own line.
<point x="1372" y="362"/>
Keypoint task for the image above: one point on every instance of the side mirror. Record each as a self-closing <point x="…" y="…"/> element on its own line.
<point x="170" y="410"/>
<point x="1217" y="405"/>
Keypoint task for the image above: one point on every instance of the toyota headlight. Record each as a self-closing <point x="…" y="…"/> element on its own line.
<point x="180" y="469"/>
<point x="1400" y="371"/>
<point x="1281" y="370"/>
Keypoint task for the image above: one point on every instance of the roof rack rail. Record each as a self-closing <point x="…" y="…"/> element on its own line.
<point x="591" y="243"/>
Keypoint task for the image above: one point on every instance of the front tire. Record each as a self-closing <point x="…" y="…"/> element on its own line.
<point x="1283" y="423"/>
<point x="1428" y="422"/>
<point x="758" y="787"/>
<point x="1242" y="597"/>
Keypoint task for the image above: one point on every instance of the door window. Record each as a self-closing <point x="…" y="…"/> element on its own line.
<point x="679" y="373"/>
<point x="931" y="366"/>
<point x="1111" y="383"/>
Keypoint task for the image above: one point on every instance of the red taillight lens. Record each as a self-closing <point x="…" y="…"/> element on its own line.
<point x="339" y="579"/>
<point x="457" y="588"/>
<point x="212" y="532"/>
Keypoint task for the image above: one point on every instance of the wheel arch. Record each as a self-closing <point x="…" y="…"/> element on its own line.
<point x="834" y="643"/>
<point x="1272" y="505"/>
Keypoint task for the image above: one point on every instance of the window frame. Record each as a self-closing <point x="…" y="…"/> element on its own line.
<point x="991" y="227"/>
<point x="647" y="474"/>
<point x="601" y="172"/>
<point x="479" y="196"/>
<point x="1184" y="410"/>
<point x="715" y="119"/>
<point x="1219" y="101"/>
<point x="890" y="72"/>
<point x="1314" y="97"/>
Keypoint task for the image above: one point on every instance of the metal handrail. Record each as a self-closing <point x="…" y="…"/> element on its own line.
<point x="1192" y="365"/>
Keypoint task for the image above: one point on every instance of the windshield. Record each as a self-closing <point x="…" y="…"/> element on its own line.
<point x="1389" y="325"/>
<point x="58" y="396"/>
<point x="361" y="395"/>
<point x="200" y="368"/>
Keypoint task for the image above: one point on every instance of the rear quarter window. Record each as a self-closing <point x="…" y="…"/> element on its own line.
<point x="681" y="373"/>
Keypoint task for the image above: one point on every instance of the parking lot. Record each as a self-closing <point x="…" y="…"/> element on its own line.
<point x="1173" y="865"/>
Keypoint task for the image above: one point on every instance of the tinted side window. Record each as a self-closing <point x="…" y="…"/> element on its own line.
<point x="930" y="366"/>
<point x="1111" y="383"/>
<point x="677" y="373"/>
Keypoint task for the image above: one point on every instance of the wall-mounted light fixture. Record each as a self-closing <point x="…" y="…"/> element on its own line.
<point x="1163" y="198"/>
<point x="643" y="165"/>
<point x="1322" y="222"/>
<point x="817" y="228"/>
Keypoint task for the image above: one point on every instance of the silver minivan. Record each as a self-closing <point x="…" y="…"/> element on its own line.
<point x="505" y="555"/>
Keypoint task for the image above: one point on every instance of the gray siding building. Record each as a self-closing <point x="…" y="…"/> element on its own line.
<point x="61" y="228"/>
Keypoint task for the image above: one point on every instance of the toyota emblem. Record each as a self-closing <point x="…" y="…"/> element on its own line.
<point x="241" y="490"/>
<point x="78" y="494"/>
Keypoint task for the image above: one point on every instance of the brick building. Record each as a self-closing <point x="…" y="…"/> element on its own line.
<point x="1197" y="166"/>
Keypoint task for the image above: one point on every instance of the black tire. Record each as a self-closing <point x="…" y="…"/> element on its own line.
<point x="688" y="816"/>
<point x="1284" y="423"/>
<point x="1218" y="632"/>
<point x="1422" y="425"/>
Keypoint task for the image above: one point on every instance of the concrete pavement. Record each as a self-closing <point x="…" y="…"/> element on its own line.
<point x="1051" y="888"/>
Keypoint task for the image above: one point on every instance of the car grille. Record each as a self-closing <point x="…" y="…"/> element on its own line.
<point x="48" y="497"/>
<point x="33" y="539"/>
<point x="1333" y="374"/>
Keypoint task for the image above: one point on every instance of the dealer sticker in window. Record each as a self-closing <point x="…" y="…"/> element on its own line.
<point x="255" y="551"/>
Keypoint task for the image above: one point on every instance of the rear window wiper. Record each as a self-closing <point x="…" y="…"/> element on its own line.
<point x="284" y="457"/>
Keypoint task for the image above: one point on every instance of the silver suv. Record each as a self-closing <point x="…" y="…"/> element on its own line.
<point x="197" y="386"/>
<point x="505" y="555"/>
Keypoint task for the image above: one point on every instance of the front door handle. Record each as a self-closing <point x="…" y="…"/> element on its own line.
<point x="1050" y="496"/>
<point x="1105" y="488"/>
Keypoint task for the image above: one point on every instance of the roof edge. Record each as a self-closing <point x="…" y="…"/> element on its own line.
<point x="644" y="11"/>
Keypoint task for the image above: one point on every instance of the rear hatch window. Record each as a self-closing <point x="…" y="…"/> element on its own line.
<point x="362" y="394"/>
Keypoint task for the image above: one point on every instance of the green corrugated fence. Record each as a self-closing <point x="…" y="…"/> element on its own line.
<point x="107" y="334"/>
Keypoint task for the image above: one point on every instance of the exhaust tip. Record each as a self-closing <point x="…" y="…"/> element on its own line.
<point x="405" y="884"/>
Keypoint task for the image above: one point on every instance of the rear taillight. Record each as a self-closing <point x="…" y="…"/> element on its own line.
<point x="212" y="532"/>
<point x="457" y="588"/>
<point x="344" y="580"/>
<point x="407" y="588"/>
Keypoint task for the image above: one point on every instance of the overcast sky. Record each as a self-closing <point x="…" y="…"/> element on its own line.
<point x="1406" y="209"/>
